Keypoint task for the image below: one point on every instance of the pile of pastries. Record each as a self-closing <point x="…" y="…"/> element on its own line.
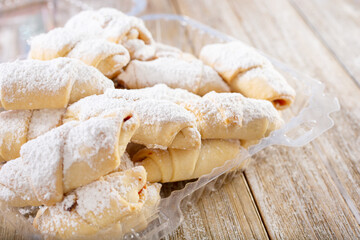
<point x="100" y="114"/>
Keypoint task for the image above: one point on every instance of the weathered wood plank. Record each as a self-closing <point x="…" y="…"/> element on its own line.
<point x="337" y="24"/>
<point x="277" y="29"/>
<point x="229" y="213"/>
<point x="8" y="231"/>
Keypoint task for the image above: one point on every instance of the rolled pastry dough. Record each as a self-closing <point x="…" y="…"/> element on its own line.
<point x="34" y="84"/>
<point x="65" y="158"/>
<point x="193" y="75"/>
<point x="218" y="115"/>
<point x="158" y="91"/>
<point x="167" y="51"/>
<point x="176" y="165"/>
<point x="233" y="116"/>
<point x="248" y="72"/>
<point x="116" y="27"/>
<point x="109" y="58"/>
<point x="162" y="123"/>
<point x="19" y="126"/>
<point x="98" y="205"/>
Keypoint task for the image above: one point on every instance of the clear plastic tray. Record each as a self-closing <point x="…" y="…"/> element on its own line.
<point x="305" y="120"/>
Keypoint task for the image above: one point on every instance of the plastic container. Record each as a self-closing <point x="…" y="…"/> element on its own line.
<point x="22" y="19"/>
<point x="306" y="119"/>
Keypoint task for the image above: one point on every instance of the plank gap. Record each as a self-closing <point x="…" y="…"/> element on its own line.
<point x="323" y="41"/>
<point x="342" y="190"/>
<point x="251" y="194"/>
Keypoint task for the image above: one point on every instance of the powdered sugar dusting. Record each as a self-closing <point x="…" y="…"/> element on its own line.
<point x="56" y="43"/>
<point x="242" y="109"/>
<point x="153" y="111"/>
<point x="273" y="81"/>
<point x="29" y="76"/>
<point x="231" y="58"/>
<point x="22" y="81"/>
<point x="125" y="163"/>
<point x="175" y="73"/>
<point x="216" y="111"/>
<point x="43" y="121"/>
<point x="159" y="92"/>
<point x="94" y="198"/>
<point x="85" y="140"/>
<point x="36" y="169"/>
<point x="14" y="122"/>
<point x="92" y="51"/>
<point x="94" y="106"/>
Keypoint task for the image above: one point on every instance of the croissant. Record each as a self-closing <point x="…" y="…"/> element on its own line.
<point x="218" y="115"/>
<point x="162" y="124"/>
<point x="159" y="91"/>
<point x="193" y="75"/>
<point x="176" y="165"/>
<point x="19" y="126"/>
<point x="167" y="51"/>
<point x="65" y="158"/>
<point x="233" y="116"/>
<point x="248" y="73"/>
<point x="116" y="27"/>
<point x="98" y="205"/>
<point x="109" y="58"/>
<point x="34" y="84"/>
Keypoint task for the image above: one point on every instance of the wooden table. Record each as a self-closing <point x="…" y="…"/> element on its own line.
<point x="311" y="192"/>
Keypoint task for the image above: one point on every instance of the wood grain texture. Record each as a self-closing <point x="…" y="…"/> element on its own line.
<point x="292" y="207"/>
<point x="229" y="213"/>
<point x="336" y="23"/>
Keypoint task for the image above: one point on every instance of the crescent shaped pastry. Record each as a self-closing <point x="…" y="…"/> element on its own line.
<point x="34" y="84"/>
<point x="233" y="116"/>
<point x="109" y="58"/>
<point x="193" y="75"/>
<point x="114" y="26"/>
<point x="19" y="126"/>
<point x="218" y="115"/>
<point x="163" y="124"/>
<point x="158" y="91"/>
<point x="65" y="158"/>
<point x="176" y="165"/>
<point x="248" y="72"/>
<point x="115" y="197"/>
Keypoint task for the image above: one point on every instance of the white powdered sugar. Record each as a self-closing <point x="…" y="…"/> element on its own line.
<point x="88" y="81"/>
<point x="114" y="26"/>
<point x="231" y="58"/>
<point x="24" y="80"/>
<point x="85" y="140"/>
<point x="29" y="76"/>
<point x="15" y="123"/>
<point x="97" y="196"/>
<point x="125" y="163"/>
<point x="154" y="111"/>
<point x="175" y="73"/>
<point x="94" y="198"/>
<point x="235" y="108"/>
<point x="33" y="176"/>
<point x="272" y="81"/>
<point x="159" y="92"/>
<point x="42" y="160"/>
<point x="94" y="106"/>
<point x="43" y="121"/>
<point x="149" y="111"/>
<point x="56" y="43"/>
<point x="92" y="51"/>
